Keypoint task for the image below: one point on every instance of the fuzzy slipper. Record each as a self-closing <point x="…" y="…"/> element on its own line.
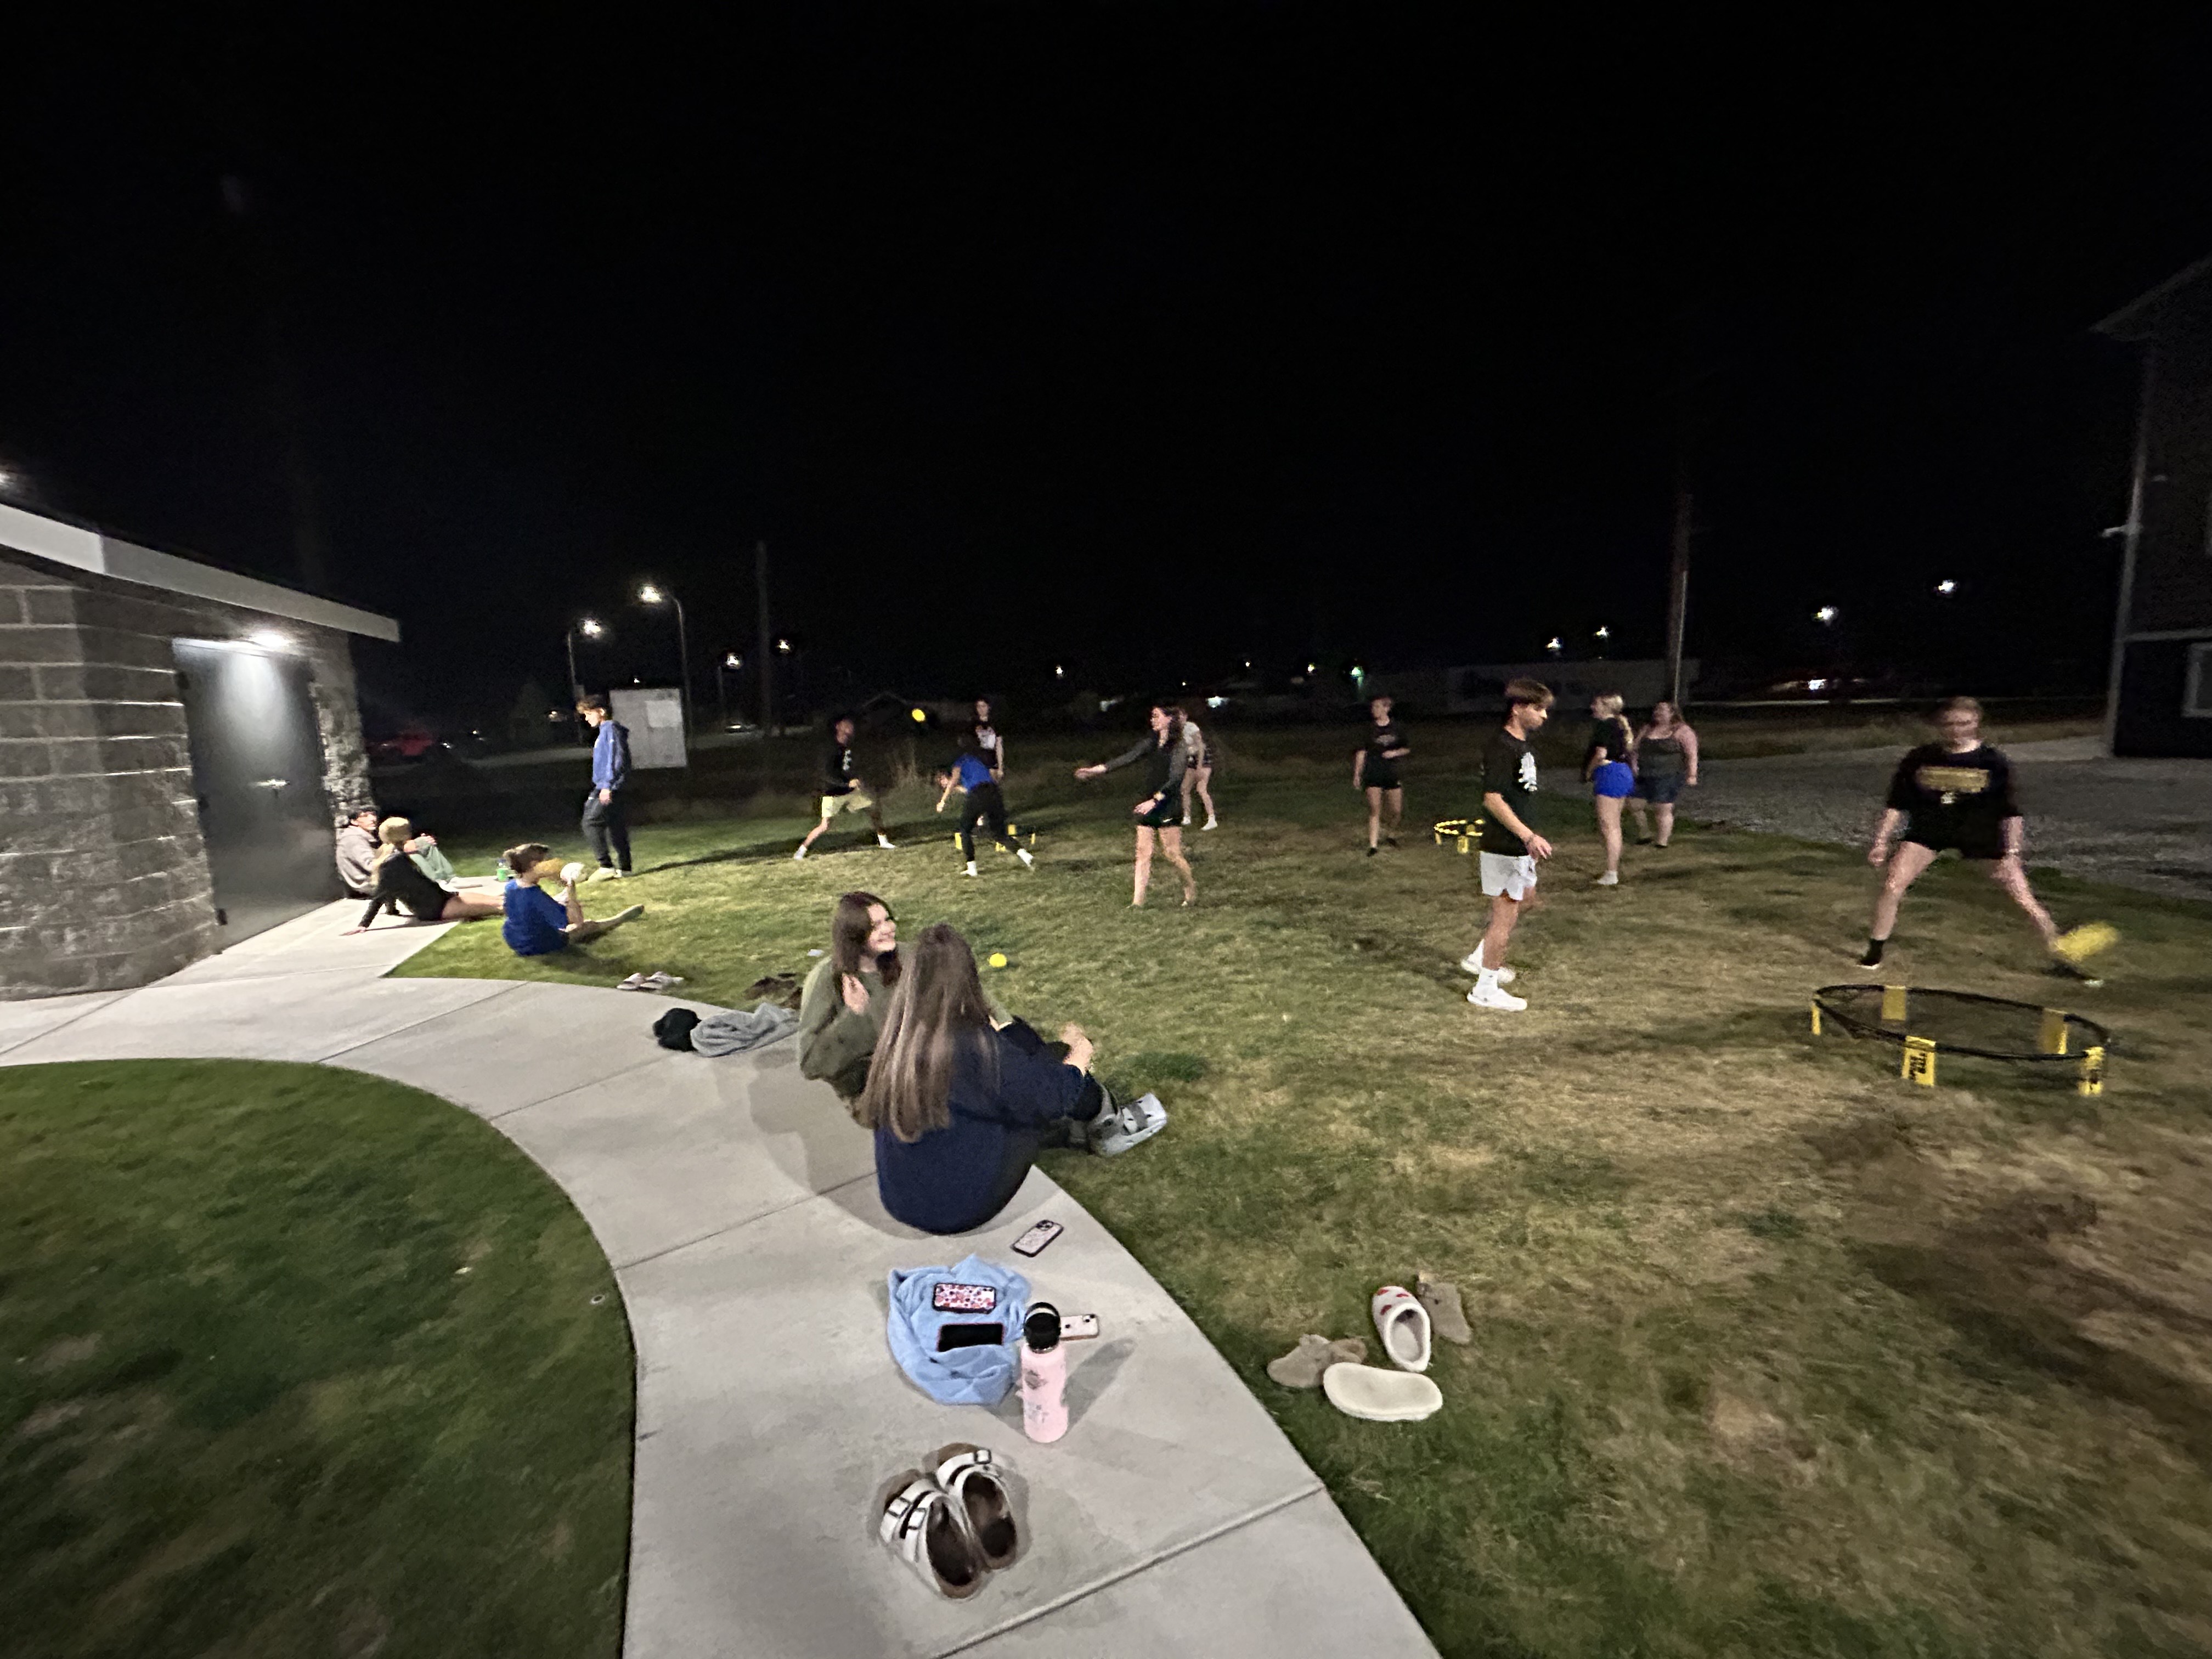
<point x="1381" y="1396"/>
<point x="1441" y="1297"/>
<point x="1403" y="1325"/>
<point x="1303" y="1366"/>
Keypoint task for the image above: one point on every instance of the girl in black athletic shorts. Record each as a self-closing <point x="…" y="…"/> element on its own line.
<point x="1375" y="769"/>
<point x="1160" y="812"/>
<point x="1957" y="794"/>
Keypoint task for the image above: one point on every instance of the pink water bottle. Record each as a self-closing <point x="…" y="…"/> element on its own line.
<point x="1044" y="1376"/>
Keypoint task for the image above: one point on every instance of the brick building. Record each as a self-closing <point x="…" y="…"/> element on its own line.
<point x="176" y="741"/>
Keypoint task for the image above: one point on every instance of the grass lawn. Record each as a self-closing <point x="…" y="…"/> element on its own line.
<point x="297" y="1361"/>
<point x="1776" y="1354"/>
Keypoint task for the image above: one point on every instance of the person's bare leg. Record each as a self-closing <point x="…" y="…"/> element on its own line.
<point x="1503" y="912"/>
<point x="1189" y="778"/>
<point x="1665" y="813"/>
<point x="814" y="834"/>
<point x="1608" y="831"/>
<point x="1143" y="863"/>
<point x="1171" y="844"/>
<point x="1205" y="794"/>
<point x="1907" y="861"/>
<point x="1643" y="819"/>
<point x="1374" y="816"/>
<point x="578" y="932"/>
<point x="2009" y="874"/>
<point x="875" y="818"/>
<point x="467" y="907"/>
<point x="1396" y="800"/>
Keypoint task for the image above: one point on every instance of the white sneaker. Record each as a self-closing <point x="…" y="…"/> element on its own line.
<point x="1610" y="879"/>
<point x="1023" y="853"/>
<point x="887" y="843"/>
<point x="1472" y="964"/>
<point x="605" y="873"/>
<point x="798" y="855"/>
<point x="1186" y="819"/>
<point x="1211" y="823"/>
<point x="1490" y="996"/>
<point x="969" y="871"/>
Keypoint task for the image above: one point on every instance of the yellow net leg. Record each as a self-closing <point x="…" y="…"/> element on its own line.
<point x="2051" y="1038"/>
<point x="2091" y="1080"/>
<point x="1920" y="1061"/>
<point x="1893" y="1004"/>
<point x="1816" y="1016"/>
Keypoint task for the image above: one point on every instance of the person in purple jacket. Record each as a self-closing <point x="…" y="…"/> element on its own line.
<point x="606" y="821"/>
<point x="961" y="1102"/>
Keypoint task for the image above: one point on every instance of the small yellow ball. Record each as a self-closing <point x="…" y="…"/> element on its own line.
<point x="919" y="717"/>
<point x="997" y="958"/>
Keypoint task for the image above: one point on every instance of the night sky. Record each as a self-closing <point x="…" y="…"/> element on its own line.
<point x="1144" y="340"/>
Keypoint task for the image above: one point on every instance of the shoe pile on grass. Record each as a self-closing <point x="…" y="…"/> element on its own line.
<point x="1407" y="1324"/>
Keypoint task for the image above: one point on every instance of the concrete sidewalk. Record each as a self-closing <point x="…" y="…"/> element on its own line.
<point x="737" y="1203"/>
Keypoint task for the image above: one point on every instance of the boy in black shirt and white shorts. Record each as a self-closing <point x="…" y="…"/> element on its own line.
<point x="1953" y="794"/>
<point x="842" y="790"/>
<point x="1510" y="848"/>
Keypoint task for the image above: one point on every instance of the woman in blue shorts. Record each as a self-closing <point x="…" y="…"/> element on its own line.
<point x="1609" y="764"/>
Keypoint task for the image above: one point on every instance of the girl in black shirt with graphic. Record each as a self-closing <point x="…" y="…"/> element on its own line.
<point x="1375" y="769"/>
<point x="1955" y="793"/>
<point x="1160" y="812"/>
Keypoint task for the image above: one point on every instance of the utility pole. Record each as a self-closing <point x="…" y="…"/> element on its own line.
<point x="766" y="647"/>
<point x="1678" y="592"/>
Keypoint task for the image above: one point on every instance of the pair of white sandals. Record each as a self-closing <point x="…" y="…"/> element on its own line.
<point x="659" y="980"/>
<point x="955" y="1524"/>
<point x="1403" y="1395"/>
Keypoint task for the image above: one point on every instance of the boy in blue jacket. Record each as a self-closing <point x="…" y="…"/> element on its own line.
<point x="606" y="823"/>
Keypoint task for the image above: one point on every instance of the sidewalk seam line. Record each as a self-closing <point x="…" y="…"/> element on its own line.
<point x="1074" y="1596"/>
<point x="81" y="1014"/>
<point x="415" y="1024"/>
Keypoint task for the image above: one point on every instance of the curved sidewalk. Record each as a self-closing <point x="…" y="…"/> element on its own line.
<point x="737" y="1203"/>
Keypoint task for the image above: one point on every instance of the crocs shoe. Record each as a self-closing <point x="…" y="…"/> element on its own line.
<point x="1129" y="1126"/>
<point x="1403" y="1324"/>
<point x="920" y="1525"/>
<point x="970" y="1477"/>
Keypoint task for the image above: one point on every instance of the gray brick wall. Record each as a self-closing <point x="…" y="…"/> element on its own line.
<point x="104" y="881"/>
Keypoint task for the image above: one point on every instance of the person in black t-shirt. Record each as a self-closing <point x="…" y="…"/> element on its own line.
<point x="1954" y="795"/>
<point x="1510" y="848"/>
<point x="1375" y="769"/>
<point x="842" y="790"/>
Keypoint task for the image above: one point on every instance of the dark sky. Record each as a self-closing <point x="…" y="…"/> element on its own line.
<point x="1146" y="339"/>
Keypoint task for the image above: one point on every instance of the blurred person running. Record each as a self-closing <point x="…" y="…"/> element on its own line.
<point x="1197" y="769"/>
<point x="1509" y="847"/>
<point x="1165" y="759"/>
<point x="1375" y="769"/>
<point x="970" y="773"/>
<point x="1666" y="765"/>
<point x="1609" y="769"/>
<point x="842" y="790"/>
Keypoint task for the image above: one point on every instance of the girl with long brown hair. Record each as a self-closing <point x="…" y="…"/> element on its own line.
<point x="1160" y="812"/>
<point x="960" y="1098"/>
<point x="840" y="1010"/>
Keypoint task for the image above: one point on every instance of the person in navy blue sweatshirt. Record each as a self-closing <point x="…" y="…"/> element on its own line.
<point x="606" y="823"/>
<point x="961" y="1102"/>
<point x="971" y="773"/>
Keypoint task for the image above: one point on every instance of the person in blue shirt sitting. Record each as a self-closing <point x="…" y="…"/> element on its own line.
<point x="537" y="923"/>
<point x="970" y="772"/>
<point x="961" y="1102"/>
<point x="606" y="817"/>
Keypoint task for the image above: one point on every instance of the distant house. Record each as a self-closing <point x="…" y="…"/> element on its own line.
<point x="176" y="741"/>
<point x="2160" y="697"/>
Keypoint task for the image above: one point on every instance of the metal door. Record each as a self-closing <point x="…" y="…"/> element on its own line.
<point x="257" y="774"/>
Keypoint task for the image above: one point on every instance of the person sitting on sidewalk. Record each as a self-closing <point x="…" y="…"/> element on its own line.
<point x="404" y="890"/>
<point x="961" y="1101"/>
<point x="840" y="1007"/>
<point x="538" y="924"/>
<point x="358" y="853"/>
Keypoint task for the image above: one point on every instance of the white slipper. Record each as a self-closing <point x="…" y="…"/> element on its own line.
<point x="918" y="1524"/>
<point x="634" y="982"/>
<point x="1381" y="1396"/>
<point x="1403" y="1324"/>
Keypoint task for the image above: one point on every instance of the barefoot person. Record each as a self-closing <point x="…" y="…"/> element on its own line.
<point x="1158" y="813"/>
<point x="538" y="924"/>
<point x="1510" y="848"/>
<point x="970" y="773"/>
<point x="842" y="790"/>
<point x="399" y="886"/>
<point x="1609" y="769"/>
<point x="1666" y="765"/>
<point x="606" y="813"/>
<point x="1197" y="770"/>
<point x="1375" y="769"/>
<point x="960" y="1098"/>
<point x="1953" y="793"/>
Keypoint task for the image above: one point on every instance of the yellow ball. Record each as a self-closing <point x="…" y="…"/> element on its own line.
<point x="997" y="958"/>
<point x="2085" y="942"/>
<point x="919" y="717"/>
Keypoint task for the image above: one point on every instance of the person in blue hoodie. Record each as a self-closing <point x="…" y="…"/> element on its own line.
<point x="606" y="823"/>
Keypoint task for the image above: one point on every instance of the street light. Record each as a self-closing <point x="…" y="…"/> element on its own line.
<point x="591" y="630"/>
<point x="1554" y="645"/>
<point x="649" y="594"/>
<point x="1947" y="586"/>
<point x="730" y="663"/>
<point x="1825" y="615"/>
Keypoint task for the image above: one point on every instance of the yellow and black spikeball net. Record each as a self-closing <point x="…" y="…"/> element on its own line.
<point x="1457" y="833"/>
<point x="1926" y="1025"/>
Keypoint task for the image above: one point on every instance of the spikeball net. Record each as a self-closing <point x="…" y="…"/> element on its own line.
<point x="1926" y="1024"/>
<point x="1462" y="831"/>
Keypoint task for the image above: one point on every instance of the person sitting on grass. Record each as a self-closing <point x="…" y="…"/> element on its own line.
<point x="402" y="889"/>
<point x="538" y="924"/>
<point x="960" y="1098"/>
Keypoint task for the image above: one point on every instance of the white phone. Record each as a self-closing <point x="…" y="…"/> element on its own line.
<point x="1037" y="1237"/>
<point x="1074" y="1327"/>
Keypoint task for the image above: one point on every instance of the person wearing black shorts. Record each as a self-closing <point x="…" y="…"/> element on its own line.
<point x="1375" y="769"/>
<point x="1160" y="812"/>
<point x="1953" y="795"/>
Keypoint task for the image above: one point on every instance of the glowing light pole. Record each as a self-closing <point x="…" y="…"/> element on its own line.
<point x="650" y="594"/>
<point x="591" y="630"/>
